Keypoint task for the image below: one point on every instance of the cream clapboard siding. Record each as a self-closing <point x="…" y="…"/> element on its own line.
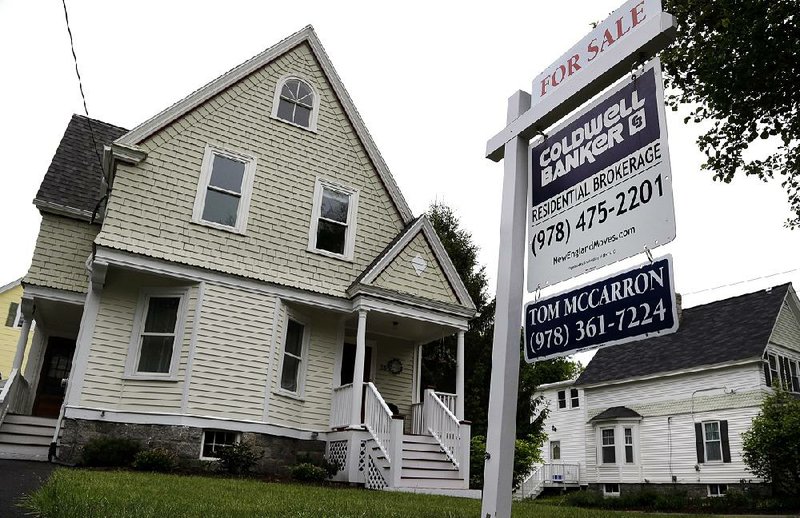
<point x="311" y="410"/>
<point x="400" y="275"/>
<point x="151" y="208"/>
<point x="104" y="383"/>
<point x="229" y="370"/>
<point x="664" y="441"/>
<point x="9" y="335"/>
<point x="787" y="328"/>
<point x="569" y="428"/>
<point x="395" y="388"/>
<point x="59" y="259"/>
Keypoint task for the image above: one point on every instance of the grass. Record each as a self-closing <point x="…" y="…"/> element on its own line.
<point x="82" y="493"/>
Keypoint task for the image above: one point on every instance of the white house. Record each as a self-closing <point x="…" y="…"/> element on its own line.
<point x="241" y="267"/>
<point x="670" y="410"/>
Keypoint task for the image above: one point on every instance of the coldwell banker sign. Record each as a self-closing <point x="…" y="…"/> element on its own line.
<point x="601" y="187"/>
<point x="627" y="306"/>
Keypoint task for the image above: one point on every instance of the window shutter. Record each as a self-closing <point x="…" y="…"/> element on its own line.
<point x="698" y="441"/>
<point x="726" y="446"/>
<point x="12" y="314"/>
<point x="767" y="375"/>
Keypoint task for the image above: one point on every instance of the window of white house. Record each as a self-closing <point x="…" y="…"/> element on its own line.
<point x="296" y="103"/>
<point x="782" y="371"/>
<point x="293" y="349"/>
<point x="717" y="489"/>
<point x="333" y="224"/>
<point x="157" y="335"/>
<point x="611" y="489"/>
<point x="562" y="399"/>
<point x="608" y="447"/>
<point x="216" y="440"/>
<point x="712" y="441"/>
<point x="574" y="399"/>
<point x="224" y="188"/>
<point x="628" y="432"/>
<point x="555" y="450"/>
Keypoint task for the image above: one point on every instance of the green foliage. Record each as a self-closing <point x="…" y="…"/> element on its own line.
<point x="109" y="452"/>
<point x="157" y="459"/>
<point x="772" y="444"/>
<point x="307" y="472"/>
<point x="330" y="468"/>
<point x="736" y="64"/>
<point x="237" y="459"/>
<point x="526" y="453"/>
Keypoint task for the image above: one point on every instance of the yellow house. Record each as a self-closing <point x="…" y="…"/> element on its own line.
<point x="10" y="305"/>
<point x="243" y="267"/>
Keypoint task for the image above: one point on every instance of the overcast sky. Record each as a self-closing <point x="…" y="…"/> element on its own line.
<point x="430" y="79"/>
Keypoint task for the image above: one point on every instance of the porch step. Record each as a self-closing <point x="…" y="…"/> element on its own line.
<point x="437" y="463"/>
<point x="421" y="447"/>
<point x="26" y="437"/>
<point x="419" y="439"/>
<point x="432" y="473"/>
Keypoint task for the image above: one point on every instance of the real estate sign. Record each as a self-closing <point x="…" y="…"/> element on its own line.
<point x="601" y="187"/>
<point x="632" y="305"/>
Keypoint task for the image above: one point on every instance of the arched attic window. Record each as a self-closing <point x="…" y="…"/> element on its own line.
<point x="296" y="102"/>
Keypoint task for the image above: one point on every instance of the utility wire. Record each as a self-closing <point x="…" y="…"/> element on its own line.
<point x="80" y="85"/>
<point x="741" y="282"/>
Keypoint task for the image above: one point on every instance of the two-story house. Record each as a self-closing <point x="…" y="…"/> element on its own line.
<point x="669" y="411"/>
<point x="240" y="267"/>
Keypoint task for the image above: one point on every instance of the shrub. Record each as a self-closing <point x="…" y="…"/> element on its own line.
<point x="585" y="499"/>
<point x="237" y="459"/>
<point x="526" y="453"/>
<point x="109" y="452"/>
<point x="330" y="468"/>
<point x="157" y="459"/>
<point x="307" y="472"/>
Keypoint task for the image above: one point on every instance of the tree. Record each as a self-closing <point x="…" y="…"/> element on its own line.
<point x="772" y="444"/>
<point x="736" y="63"/>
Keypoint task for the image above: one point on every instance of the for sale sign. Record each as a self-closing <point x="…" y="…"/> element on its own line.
<point x="601" y="187"/>
<point x="632" y="305"/>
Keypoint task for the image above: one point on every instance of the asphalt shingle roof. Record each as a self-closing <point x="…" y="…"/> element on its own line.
<point x="723" y="331"/>
<point x="615" y="412"/>
<point x="74" y="176"/>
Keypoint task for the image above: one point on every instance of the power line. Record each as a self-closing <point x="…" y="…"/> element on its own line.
<point x="80" y="85"/>
<point x="742" y="282"/>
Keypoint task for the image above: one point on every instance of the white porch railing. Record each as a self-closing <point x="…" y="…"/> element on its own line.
<point x="449" y="400"/>
<point x="417" y="418"/>
<point x="14" y="388"/>
<point x="443" y="425"/>
<point x="548" y="475"/>
<point x="341" y="406"/>
<point x="378" y="419"/>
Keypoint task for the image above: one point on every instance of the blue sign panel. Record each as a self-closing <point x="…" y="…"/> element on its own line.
<point x="628" y="306"/>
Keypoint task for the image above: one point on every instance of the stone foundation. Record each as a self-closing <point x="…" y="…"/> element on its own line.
<point x="693" y="490"/>
<point x="186" y="442"/>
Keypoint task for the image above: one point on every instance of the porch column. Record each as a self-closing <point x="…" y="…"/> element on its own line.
<point x="358" y="368"/>
<point x="460" y="376"/>
<point x="26" y="308"/>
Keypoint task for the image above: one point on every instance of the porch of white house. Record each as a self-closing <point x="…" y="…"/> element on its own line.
<point x="425" y="450"/>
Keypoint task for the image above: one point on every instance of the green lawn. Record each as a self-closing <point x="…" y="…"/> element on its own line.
<point x="81" y="494"/>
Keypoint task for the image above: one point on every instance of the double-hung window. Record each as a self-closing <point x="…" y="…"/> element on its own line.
<point x="223" y="192"/>
<point x="157" y="334"/>
<point x="628" y="432"/>
<point x="333" y="220"/>
<point x="608" y="446"/>
<point x="712" y="441"/>
<point x="575" y="400"/>
<point x="294" y="349"/>
<point x="562" y="399"/>
<point x="14" y="318"/>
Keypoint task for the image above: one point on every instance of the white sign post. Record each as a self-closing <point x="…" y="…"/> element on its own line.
<point x="650" y="35"/>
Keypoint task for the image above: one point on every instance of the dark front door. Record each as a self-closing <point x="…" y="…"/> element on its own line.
<point x="349" y="363"/>
<point x="55" y="367"/>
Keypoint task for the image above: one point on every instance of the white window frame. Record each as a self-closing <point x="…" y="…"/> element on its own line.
<point x="18" y="318"/>
<point x="559" y="400"/>
<point x="236" y="440"/>
<point x="352" y="215"/>
<point x="304" y="345"/>
<point x="706" y="441"/>
<point x="720" y="491"/>
<point x="205" y="177"/>
<point x="553" y="445"/>
<point x="276" y="99"/>
<point x="625" y="445"/>
<point x="573" y="399"/>
<point x="603" y="446"/>
<point x="610" y="493"/>
<point x="134" y="346"/>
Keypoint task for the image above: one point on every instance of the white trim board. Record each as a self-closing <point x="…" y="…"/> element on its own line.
<point x="54" y="294"/>
<point x="233" y="76"/>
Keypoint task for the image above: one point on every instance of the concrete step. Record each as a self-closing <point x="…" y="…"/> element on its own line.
<point x="23" y="452"/>
<point x="462" y="493"/>
<point x="436" y="483"/>
<point x="30" y="420"/>
<point x="23" y="438"/>
<point x="430" y="473"/>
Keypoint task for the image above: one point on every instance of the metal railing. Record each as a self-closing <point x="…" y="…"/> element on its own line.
<point x="341" y="406"/>
<point x="378" y="419"/>
<point x="443" y="425"/>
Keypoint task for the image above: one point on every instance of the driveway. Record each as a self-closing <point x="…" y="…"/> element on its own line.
<point x="18" y="478"/>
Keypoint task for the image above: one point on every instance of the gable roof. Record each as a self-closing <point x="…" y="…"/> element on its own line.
<point x="306" y="35"/>
<point x="73" y="181"/>
<point x="724" y="331"/>
<point x="12" y="284"/>
<point x="420" y="225"/>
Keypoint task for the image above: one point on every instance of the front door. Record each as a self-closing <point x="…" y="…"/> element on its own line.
<point x="55" y="368"/>
<point x="349" y="363"/>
